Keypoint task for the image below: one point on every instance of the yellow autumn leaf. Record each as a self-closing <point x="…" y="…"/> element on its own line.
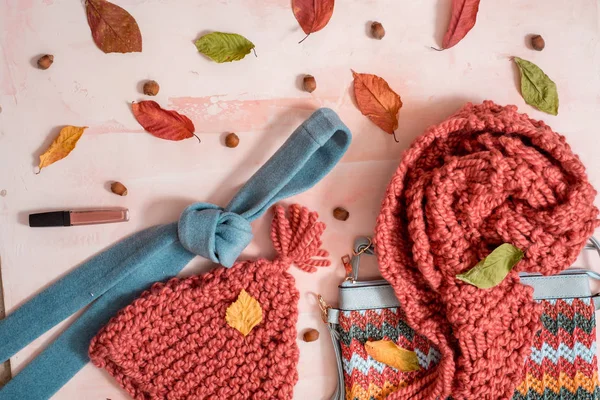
<point x="388" y="352"/>
<point x="244" y="314"/>
<point x="61" y="146"/>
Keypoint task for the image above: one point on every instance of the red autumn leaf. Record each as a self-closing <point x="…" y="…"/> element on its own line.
<point x="312" y="15"/>
<point x="462" y="20"/>
<point x="377" y="101"/>
<point x="114" y="30"/>
<point x="165" y="124"/>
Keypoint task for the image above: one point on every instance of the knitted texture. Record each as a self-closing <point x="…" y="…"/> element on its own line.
<point x="486" y="176"/>
<point x="563" y="363"/>
<point x="174" y="343"/>
<point x="364" y="377"/>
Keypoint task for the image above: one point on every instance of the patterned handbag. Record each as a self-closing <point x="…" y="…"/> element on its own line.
<point x="562" y="365"/>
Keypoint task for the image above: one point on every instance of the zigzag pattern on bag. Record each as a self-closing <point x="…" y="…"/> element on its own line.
<point x="388" y="320"/>
<point x="357" y="333"/>
<point x="581" y="388"/>
<point x="562" y="366"/>
<point x="569" y="354"/>
<point x="563" y="336"/>
<point x="563" y="363"/>
<point x="366" y="378"/>
<point x="568" y="314"/>
<point x="372" y="392"/>
<point x="359" y="361"/>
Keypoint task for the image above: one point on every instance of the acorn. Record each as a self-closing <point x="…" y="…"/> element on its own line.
<point x="118" y="188"/>
<point x="309" y="83"/>
<point x="341" y="214"/>
<point x="377" y="30"/>
<point x="538" y="43"/>
<point x="311" y="335"/>
<point x="151" y="88"/>
<point x="45" y="61"/>
<point x="232" y="140"/>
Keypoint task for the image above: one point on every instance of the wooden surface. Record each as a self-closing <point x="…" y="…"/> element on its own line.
<point x="260" y="99"/>
<point x="5" y="366"/>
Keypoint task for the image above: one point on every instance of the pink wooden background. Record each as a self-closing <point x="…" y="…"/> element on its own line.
<point x="260" y="99"/>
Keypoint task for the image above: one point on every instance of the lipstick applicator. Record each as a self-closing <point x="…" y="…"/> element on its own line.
<point x="83" y="217"/>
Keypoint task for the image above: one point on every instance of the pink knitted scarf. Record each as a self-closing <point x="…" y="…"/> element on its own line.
<point x="486" y="176"/>
<point x="174" y="343"/>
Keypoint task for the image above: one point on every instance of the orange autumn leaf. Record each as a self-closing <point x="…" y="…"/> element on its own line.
<point x="388" y="352"/>
<point x="61" y="146"/>
<point x="377" y="101"/>
<point x="312" y="15"/>
<point x="244" y="314"/>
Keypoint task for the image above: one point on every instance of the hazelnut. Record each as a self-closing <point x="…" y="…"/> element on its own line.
<point x="538" y="43"/>
<point x="45" y="61"/>
<point x="118" y="188"/>
<point x="232" y="140"/>
<point x="377" y="30"/>
<point x="311" y="335"/>
<point x="309" y="83"/>
<point x="341" y="213"/>
<point x="151" y="88"/>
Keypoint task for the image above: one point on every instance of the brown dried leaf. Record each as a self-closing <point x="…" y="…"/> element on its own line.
<point x="244" y="314"/>
<point x="388" y="352"/>
<point x="114" y="30"/>
<point x="377" y="101"/>
<point x="61" y="146"/>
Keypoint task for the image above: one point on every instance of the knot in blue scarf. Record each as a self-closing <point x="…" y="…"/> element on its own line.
<point x="211" y="232"/>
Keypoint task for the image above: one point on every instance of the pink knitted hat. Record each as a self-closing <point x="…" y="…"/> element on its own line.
<point x="486" y="176"/>
<point x="174" y="342"/>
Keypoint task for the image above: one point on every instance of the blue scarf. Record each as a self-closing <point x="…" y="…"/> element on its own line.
<point x="115" y="277"/>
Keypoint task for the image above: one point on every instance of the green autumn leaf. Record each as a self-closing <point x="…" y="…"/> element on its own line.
<point x="537" y="89"/>
<point x="490" y="271"/>
<point x="224" y="47"/>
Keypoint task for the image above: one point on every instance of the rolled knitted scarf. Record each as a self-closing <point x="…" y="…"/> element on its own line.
<point x="487" y="175"/>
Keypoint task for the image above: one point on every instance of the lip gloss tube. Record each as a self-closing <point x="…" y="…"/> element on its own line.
<point x="83" y="217"/>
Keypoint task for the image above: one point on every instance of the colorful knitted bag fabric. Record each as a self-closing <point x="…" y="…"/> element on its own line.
<point x="562" y="364"/>
<point x="487" y="175"/>
<point x="174" y="342"/>
<point x="366" y="378"/>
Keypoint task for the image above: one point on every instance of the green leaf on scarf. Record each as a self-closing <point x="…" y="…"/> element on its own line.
<point x="490" y="271"/>
<point x="224" y="47"/>
<point x="537" y="89"/>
